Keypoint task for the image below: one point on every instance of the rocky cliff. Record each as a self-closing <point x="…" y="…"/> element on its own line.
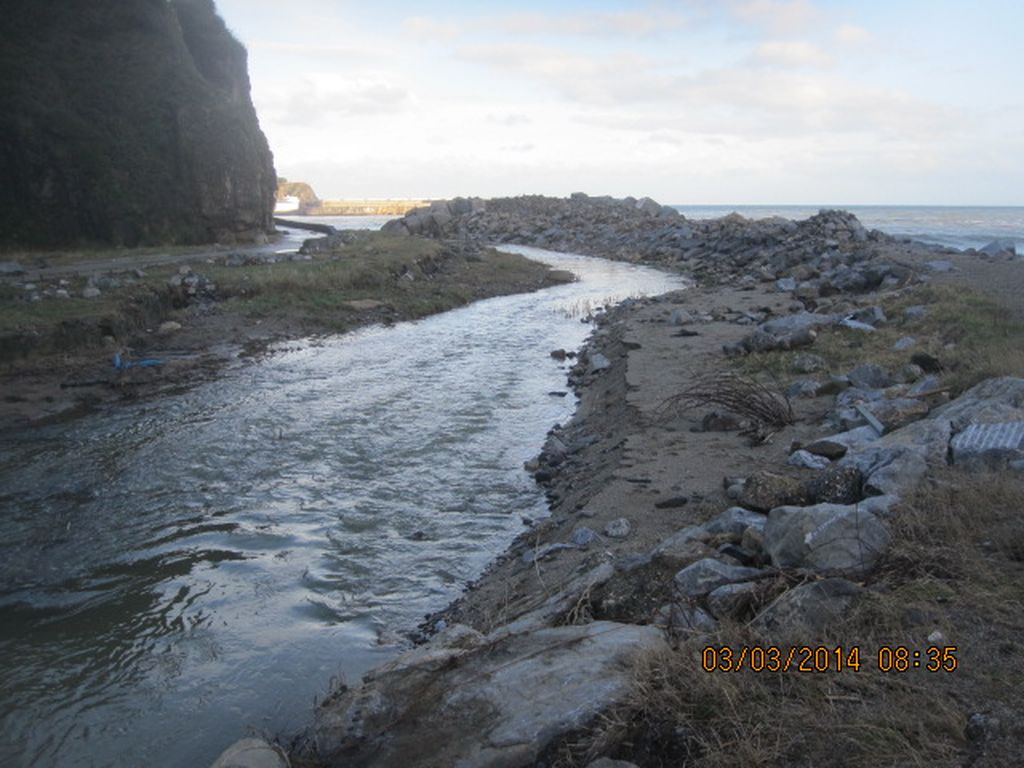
<point x="127" y="122"/>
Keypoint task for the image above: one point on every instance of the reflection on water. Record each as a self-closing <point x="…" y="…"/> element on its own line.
<point x="174" y="572"/>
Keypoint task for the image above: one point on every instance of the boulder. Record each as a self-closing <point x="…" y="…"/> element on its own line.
<point x="806" y="610"/>
<point x="834" y="539"/>
<point x="733" y="522"/>
<point x="1000" y="247"/>
<point x="683" y="617"/>
<point x="709" y="574"/>
<point x="836" y="485"/>
<point x="251" y="753"/>
<point x="765" y="490"/>
<point x="732" y="601"/>
<point x="498" y="704"/>
<point x="870" y="376"/>
<point x="988" y="446"/>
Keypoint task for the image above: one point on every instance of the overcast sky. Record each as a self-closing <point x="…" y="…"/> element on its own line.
<point x="691" y="101"/>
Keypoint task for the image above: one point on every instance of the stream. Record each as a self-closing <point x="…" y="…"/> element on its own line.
<point x="177" y="573"/>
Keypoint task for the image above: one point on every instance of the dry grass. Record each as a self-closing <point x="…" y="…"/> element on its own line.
<point x="955" y="566"/>
<point x="969" y="333"/>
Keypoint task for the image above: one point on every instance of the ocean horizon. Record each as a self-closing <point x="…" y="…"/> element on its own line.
<point x="959" y="227"/>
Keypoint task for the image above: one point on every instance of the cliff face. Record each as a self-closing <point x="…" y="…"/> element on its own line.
<point x="127" y="122"/>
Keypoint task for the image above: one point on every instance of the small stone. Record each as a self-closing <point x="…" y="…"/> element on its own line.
<point x="807" y="460"/>
<point x="870" y="376"/>
<point x="584" y="537"/>
<point x="672" y="503"/>
<point x="599" y="362"/>
<point x="558" y="354"/>
<point x="682" y="617"/>
<point x="905" y="343"/>
<point x="168" y="327"/>
<point x="917" y="312"/>
<point x="251" y="753"/>
<point x="829" y="449"/>
<point x="90" y="292"/>
<point x="618" y="528"/>
<point x="807" y="362"/>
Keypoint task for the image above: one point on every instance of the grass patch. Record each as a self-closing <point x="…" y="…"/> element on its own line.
<point x="969" y="333"/>
<point x="377" y="278"/>
<point x="956" y="565"/>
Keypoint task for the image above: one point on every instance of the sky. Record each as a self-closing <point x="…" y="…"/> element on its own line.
<point x="884" y="102"/>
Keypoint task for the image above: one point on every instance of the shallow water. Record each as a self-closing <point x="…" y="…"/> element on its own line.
<point x="175" y="572"/>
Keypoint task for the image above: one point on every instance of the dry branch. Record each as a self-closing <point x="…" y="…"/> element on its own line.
<point x="739" y="394"/>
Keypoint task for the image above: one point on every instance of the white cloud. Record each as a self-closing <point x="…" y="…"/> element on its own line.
<point x="612" y="78"/>
<point x="852" y="35"/>
<point x="432" y="30"/>
<point x="779" y="15"/>
<point x="318" y="96"/>
<point x="625" y="24"/>
<point x="790" y="53"/>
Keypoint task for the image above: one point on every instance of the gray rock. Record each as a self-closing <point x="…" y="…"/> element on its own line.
<point x="832" y="539"/>
<point x="807" y="460"/>
<point x="583" y="537"/>
<point x="251" y="753"/>
<point x="168" y="327"/>
<point x="501" y="704"/>
<point x="599" y="362"/>
<point x="988" y="446"/>
<point x="870" y="376"/>
<point x="90" y="292"/>
<point x="618" y="528"/>
<point x="905" y="343"/>
<point x="916" y="312"/>
<point x="803" y="388"/>
<point x="836" y="484"/>
<point x="829" y="449"/>
<point x="940" y="265"/>
<point x="732" y="601"/>
<point x="801" y="321"/>
<point x="542" y="553"/>
<point x="808" y="609"/>
<point x="873" y="316"/>
<point x="764" y="490"/>
<point x="1000" y="247"/>
<point x="733" y="522"/>
<point x="708" y="574"/>
<point x="683" y="617"/>
<point x="856" y="325"/>
<point x="785" y="284"/>
<point x="11" y="268"/>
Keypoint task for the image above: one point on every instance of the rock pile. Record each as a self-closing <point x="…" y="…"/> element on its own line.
<point x="827" y="254"/>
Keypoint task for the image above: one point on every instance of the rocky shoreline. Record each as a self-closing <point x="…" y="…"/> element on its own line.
<point x="677" y="521"/>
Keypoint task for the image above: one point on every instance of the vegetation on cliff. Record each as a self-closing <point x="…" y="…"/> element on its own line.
<point x="127" y="122"/>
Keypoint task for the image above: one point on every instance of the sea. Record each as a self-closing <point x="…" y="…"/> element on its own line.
<point x="953" y="227"/>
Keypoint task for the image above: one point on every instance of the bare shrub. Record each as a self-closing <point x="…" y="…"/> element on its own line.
<point x="740" y="394"/>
